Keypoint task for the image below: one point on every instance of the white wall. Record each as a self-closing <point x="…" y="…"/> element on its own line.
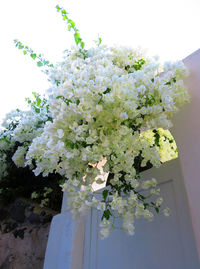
<point x="186" y="131"/>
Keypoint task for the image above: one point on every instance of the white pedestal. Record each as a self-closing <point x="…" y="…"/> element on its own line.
<point x="65" y="245"/>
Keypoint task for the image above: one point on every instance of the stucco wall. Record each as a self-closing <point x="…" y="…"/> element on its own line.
<point x="186" y="131"/>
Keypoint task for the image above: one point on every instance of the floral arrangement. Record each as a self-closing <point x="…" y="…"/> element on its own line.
<point x="108" y="112"/>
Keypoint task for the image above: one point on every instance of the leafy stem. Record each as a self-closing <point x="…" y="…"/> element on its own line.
<point x="41" y="61"/>
<point x="71" y="25"/>
<point x="98" y="41"/>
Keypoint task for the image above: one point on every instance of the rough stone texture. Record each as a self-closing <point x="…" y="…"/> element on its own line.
<point x="25" y="252"/>
<point x="23" y="243"/>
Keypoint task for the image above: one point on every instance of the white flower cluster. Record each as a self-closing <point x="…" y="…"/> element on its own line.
<point x="105" y="104"/>
<point x="104" y="99"/>
<point x="166" y="145"/>
<point x="19" y="156"/>
<point x="18" y="130"/>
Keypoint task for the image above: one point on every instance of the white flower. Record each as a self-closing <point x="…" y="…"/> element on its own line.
<point x="19" y="156"/>
<point x="104" y="229"/>
<point x="123" y="116"/>
<point x="146" y="184"/>
<point x="159" y="201"/>
<point x="166" y="212"/>
<point x="60" y="133"/>
<point x="99" y="107"/>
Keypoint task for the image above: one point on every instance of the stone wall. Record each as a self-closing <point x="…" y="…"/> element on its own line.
<point x="24" y="230"/>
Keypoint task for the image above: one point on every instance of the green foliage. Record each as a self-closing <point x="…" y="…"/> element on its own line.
<point x="170" y="82"/>
<point x="28" y="51"/>
<point x="136" y="66"/>
<point x="106" y="214"/>
<point x="98" y="41"/>
<point x="105" y="194"/>
<point x="67" y="101"/>
<point x="69" y="144"/>
<point x="43" y="196"/>
<point x="21" y="182"/>
<point x="71" y="26"/>
<point x="157" y="137"/>
<point x="38" y="104"/>
<point x="41" y="62"/>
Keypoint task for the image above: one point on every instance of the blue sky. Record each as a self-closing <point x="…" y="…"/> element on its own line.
<point x="169" y="29"/>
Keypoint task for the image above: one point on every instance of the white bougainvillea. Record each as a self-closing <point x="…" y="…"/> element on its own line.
<point x="108" y="104"/>
<point x="18" y="130"/>
<point x="105" y="120"/>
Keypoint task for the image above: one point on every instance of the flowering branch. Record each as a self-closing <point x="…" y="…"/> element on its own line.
<point x="41" y="61"/>
<point x="71" y="25"/>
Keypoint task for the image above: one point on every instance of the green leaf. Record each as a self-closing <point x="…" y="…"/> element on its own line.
<point x="82" y="44"/>
<point x="138" y="64"/>
<point x="157" y="137"/>
<point x="107" y="91"/>
<point x="62" y="181"/>
<point x="107" y="214"/>
<point x="174" y="79"/>
<point x="77" y="35"/>
<point x="57" y="84"/>
<point x="64" y="11"/>
<point x="58" y="8"/>
<point x="69" y="144"/>
<point x="67" y="101"/>
<point x="69" y="27"/>
<point x="25" y="52"/>
<point x="33" y="56"/>
<point x="37" y="110"/>
<point x="157" y="209"/>
<point x="77" y="38"/>
<point x="20" y="46"/>
<point x="105" y="194"/>
<point x="77" y="102"/>
<point x="46" y="62"/>
<point x="64" y="17"/>
<point x="100" y="40"/>
<point x="72" y="23"/>
<point x="39" y="64"/>
<point x="38" y="101"/>
<point x="168" y="83"/>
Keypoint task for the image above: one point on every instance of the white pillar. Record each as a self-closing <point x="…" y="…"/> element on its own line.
<point x="186" y="131"/>
<point x="65" y="247"/>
